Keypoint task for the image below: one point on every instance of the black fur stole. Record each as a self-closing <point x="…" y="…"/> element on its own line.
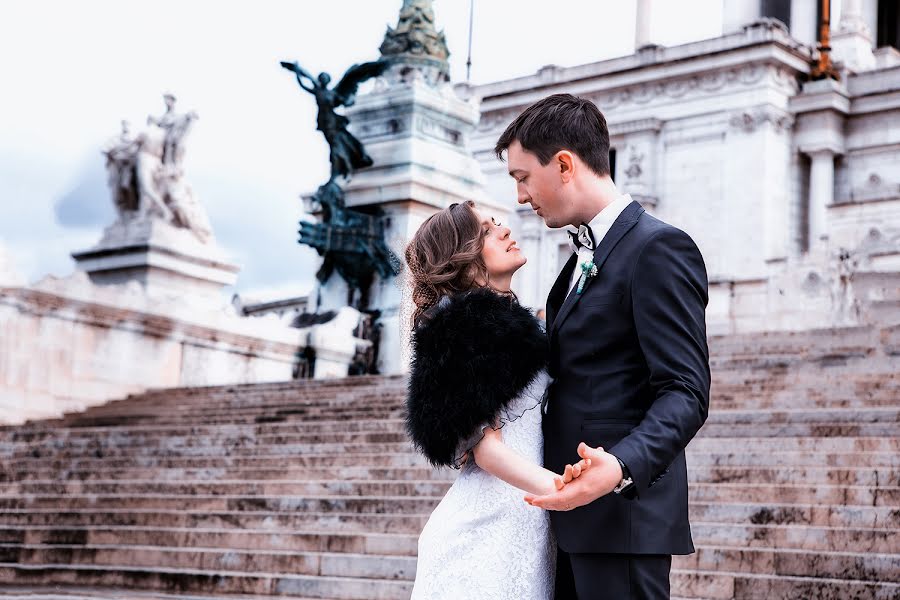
<point x="472" y="354"/>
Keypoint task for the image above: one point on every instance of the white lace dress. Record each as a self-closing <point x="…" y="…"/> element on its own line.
<point x="482" y="541"/>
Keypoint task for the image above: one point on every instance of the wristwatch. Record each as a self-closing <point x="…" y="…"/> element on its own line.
<point x="627" y="482"/>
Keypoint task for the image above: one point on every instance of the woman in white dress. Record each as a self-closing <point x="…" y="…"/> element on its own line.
<point x="477" y="381"/>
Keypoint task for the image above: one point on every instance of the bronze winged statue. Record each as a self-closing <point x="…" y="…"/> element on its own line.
<point x="346" y="152"/>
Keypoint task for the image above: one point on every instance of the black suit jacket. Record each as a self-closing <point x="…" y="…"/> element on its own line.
<point x="631" y="366"/>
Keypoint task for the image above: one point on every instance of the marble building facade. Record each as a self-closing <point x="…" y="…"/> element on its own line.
<point x="789" y="185"/>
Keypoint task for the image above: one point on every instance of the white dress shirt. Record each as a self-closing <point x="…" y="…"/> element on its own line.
<point x="600" y="226"/>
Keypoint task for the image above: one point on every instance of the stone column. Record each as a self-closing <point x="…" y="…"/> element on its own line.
<point x="852" y="42"/>
<point x="642" y="24"/>
<point x="804" y="27"/>
<point x="737" y="13"/>
<point x="821" y="193"/>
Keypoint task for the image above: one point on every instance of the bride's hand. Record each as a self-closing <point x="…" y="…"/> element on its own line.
<point x="572" y="472"/>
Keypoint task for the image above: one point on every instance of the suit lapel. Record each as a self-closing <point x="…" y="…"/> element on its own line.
<point x="622" y="225"/>
<point x="558" y="291"/>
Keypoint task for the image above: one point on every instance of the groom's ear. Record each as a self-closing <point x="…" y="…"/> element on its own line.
<point x="565" y="161"/>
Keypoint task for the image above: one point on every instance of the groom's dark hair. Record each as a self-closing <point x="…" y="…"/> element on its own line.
<point x="561" y="122"/>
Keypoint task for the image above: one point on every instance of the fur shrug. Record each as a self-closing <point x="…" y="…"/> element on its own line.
<point x="472" y="354"/>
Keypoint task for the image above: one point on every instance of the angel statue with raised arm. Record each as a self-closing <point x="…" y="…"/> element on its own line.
<point x="346" y="153"/>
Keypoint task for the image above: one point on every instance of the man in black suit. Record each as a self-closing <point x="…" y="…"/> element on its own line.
<point x="629" y="358"/>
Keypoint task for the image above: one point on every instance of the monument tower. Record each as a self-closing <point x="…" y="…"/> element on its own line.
<point x="415" y="128"/>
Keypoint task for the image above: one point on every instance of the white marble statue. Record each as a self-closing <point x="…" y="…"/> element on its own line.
<point x="146" y="177"/>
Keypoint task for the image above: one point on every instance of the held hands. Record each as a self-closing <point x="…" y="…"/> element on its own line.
<point x="571" y="473"/>
<point x="594" y="483"/>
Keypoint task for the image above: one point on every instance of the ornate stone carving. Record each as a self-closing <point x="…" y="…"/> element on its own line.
<point x="415" y="42"/>
<point x="634" y="170"/>
<point x="748" y="121"/>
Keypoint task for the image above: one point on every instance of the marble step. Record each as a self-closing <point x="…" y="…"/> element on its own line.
<point x="860" y="423"/>
<point x="724" y="585"/>
<point x="288" y="561"/>
<point x="754" y="536"/>
<point x="352" y="480"/>
<point x="685" y="584"/>
<point x="324" y="487"/>
<point x="860" y="566"/>
<point x="831" y="565"/>
<point x="350" y="471"/>
<point x="390" y="544"/>
<point x="60" y="592"/>
<point x="219" y="503"/>
<point x="149" y="430"/>
<point x="209" y="582"/>
<point x="408" y="523"/>
<point x="740" y="513"/>
<point x="699" y="492"/>
<point x="759" y="457"/>
<point x="10" y="481"/>
<point x="318" y="460"/>
<point x="701" y="443"/>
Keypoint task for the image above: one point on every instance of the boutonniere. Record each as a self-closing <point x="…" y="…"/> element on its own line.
<point x="588" y="270"/>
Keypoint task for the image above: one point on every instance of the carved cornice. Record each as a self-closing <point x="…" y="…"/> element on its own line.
<point x="692" y="87"/>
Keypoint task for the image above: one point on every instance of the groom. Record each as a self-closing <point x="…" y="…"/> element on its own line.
<point x="626" y="322"/>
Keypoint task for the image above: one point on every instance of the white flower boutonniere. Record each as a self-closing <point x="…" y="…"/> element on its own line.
<point x="588" y="270"/>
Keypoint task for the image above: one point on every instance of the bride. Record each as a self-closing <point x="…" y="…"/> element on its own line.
<point x="476" y="386"/>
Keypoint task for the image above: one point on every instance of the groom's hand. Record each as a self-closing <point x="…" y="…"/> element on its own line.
<point x="603" y="476"/>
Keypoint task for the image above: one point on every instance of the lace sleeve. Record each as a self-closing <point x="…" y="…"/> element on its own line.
<point x="533" y="397"/>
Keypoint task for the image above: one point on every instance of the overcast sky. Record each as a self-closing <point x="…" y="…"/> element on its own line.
<point x="72" y="70"/>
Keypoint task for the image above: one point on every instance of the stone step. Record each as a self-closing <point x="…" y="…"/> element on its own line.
<point x="857" y="423"/>
<point x="752" y="458"/>
<point x="211" y="582"/>
<point x="325" y="487"/>
<point x="861" y="566"/>
<point x="798" y="537"/>
<point x="831" y="565"/>
<point x="248" y="539"/>
<point x="262" y="560"/>
<point x="701" y="443"/>
<point x="755" y="536"/>
<point x="318" y="460"/>
<point x="350" y="472"/>
<point x="354" y="481"/>
<point x="11" y="480"/>
<point x="724" y="585"/>
<point x="758" y="457"/>
<point x="283" y="450"/>
<point x="59" y="592"/>
<point x="152" y="432"/>
<point x="822" y="515"/>
<point x="114" y="441"/>
<point x="408" y="523"/>
<point x="25" y="434"/>
<point x="340" y="504"/>
<point x="795" y="494"/>
<point x="756" y="514"/>
<point x="796" y="444"/>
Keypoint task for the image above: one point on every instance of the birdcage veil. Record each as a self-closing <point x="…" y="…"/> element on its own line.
<point x="416" y="296"/>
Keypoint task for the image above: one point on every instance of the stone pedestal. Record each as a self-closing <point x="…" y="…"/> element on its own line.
<point x="166" y="261"/>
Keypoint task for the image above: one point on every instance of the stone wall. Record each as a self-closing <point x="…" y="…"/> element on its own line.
<point x="66" y="345"/>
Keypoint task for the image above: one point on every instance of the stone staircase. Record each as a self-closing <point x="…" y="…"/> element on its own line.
<point x="310" y="489"/>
